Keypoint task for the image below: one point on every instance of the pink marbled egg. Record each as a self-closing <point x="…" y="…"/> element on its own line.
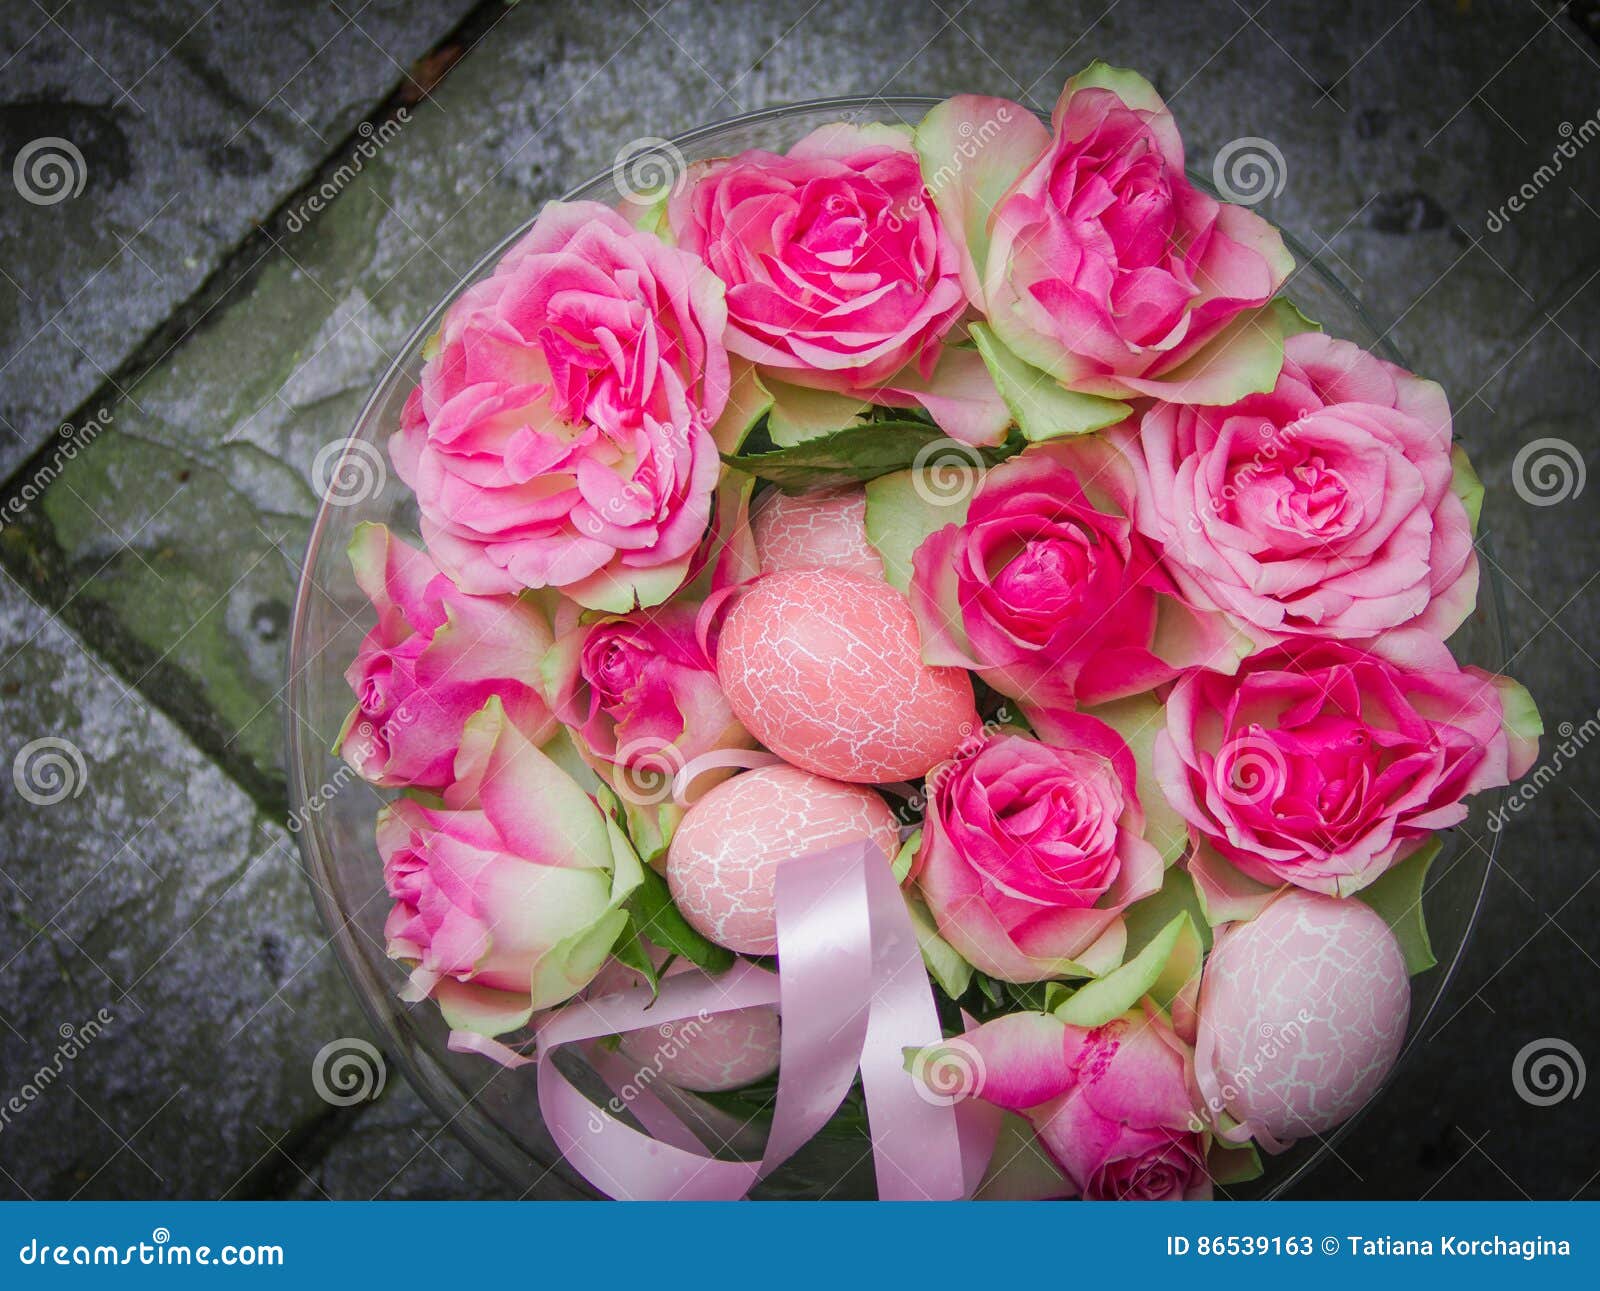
<point x="723" y="1051"/>
<point x="814" y="531"/>
<point x="824" y="668"/>
<point x="723" y="862"/>
<point x="1302" y="1014"/>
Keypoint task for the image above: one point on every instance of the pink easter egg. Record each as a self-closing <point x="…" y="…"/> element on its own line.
<point x="824" y="668"/>
<point x="723" y="862"/>
<point x="722" y="1051"/>
<point x="814" y="531"/>
<point x="1302" y="1014"/>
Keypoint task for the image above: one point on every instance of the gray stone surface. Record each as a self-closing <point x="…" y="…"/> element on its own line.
<point x="169" y="543"/>
<point x="160" y="961"/>
<point x="189" y="121"/>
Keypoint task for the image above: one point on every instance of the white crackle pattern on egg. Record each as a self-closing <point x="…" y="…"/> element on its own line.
<point x="825" y="669"/>
<point x="813" y="531"/>
<point x="1307" y="1007"/>
<point x="723" y="862"/>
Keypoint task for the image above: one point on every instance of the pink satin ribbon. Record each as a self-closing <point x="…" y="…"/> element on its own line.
<point x="852" y="992"/>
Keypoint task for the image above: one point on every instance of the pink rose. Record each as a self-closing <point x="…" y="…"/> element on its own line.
<point x="642" y="698"/>
<point x="838" y="273"/>
<point x="1111" y="1105"/>
<point x="434" y="659"/>
<point x="1031" y="851"/>
<point x="1321" y="764"/>
<point x="1048" y="594"/>
<point x="1327" y="507"/>
<point x="1093" y="257"/>
<point x="505" y="896"/>
<point x="561" y="433"/>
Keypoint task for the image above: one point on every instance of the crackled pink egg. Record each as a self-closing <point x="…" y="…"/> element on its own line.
<point x="825" y="669"/>
<point x="722" y="866"/>
<point x="813" y="531"/>
<point x="1302" y="1014"/>
<point x="723" y="1051"/>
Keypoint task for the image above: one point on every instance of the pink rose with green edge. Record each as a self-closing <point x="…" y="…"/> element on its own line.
<point x="642" y="699"/>
<point x="1099" y="267"/>
<point x="1322" y="765"/>
<point x="561" y="434"/>
<point x="1111" y="1104"/>
<point x="1031" y="851"/>
<point x="1330" y="506"/>
<point x="507" y="892"/>
<point x="1045" y="590"/>
<point x="434" y="658"/>
<point x="840" y="279"/>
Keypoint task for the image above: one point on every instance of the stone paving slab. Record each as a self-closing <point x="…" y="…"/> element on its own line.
<point x="177" y="124"/>
<point x="396" y="1150"/>
<point x="164" y="987"/>
<point x="171" y="541"/>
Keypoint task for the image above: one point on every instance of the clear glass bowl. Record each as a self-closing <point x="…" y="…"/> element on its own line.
<point x="495" y="1111"/>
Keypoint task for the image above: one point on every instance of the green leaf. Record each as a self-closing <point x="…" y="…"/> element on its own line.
<point x="1397" y="896"/>
<point x="849" y="456"/>
<point x="1119" y="990"/>
<point x="1293" y="320"/>
<point x="1043" y="408"/>
<point x="1466" y="485"/>
<point x="1147" y="919"/>
<point x="1229" y="1163"/>
<point x="900" y="516"/>
<point x="944" y="963"/>
<point x="631" y="951"/>
<point x="905" y="856"/>
<point x="658" y="919"/>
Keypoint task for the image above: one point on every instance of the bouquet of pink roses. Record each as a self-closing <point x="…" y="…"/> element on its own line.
<point x="920" y="621"/>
